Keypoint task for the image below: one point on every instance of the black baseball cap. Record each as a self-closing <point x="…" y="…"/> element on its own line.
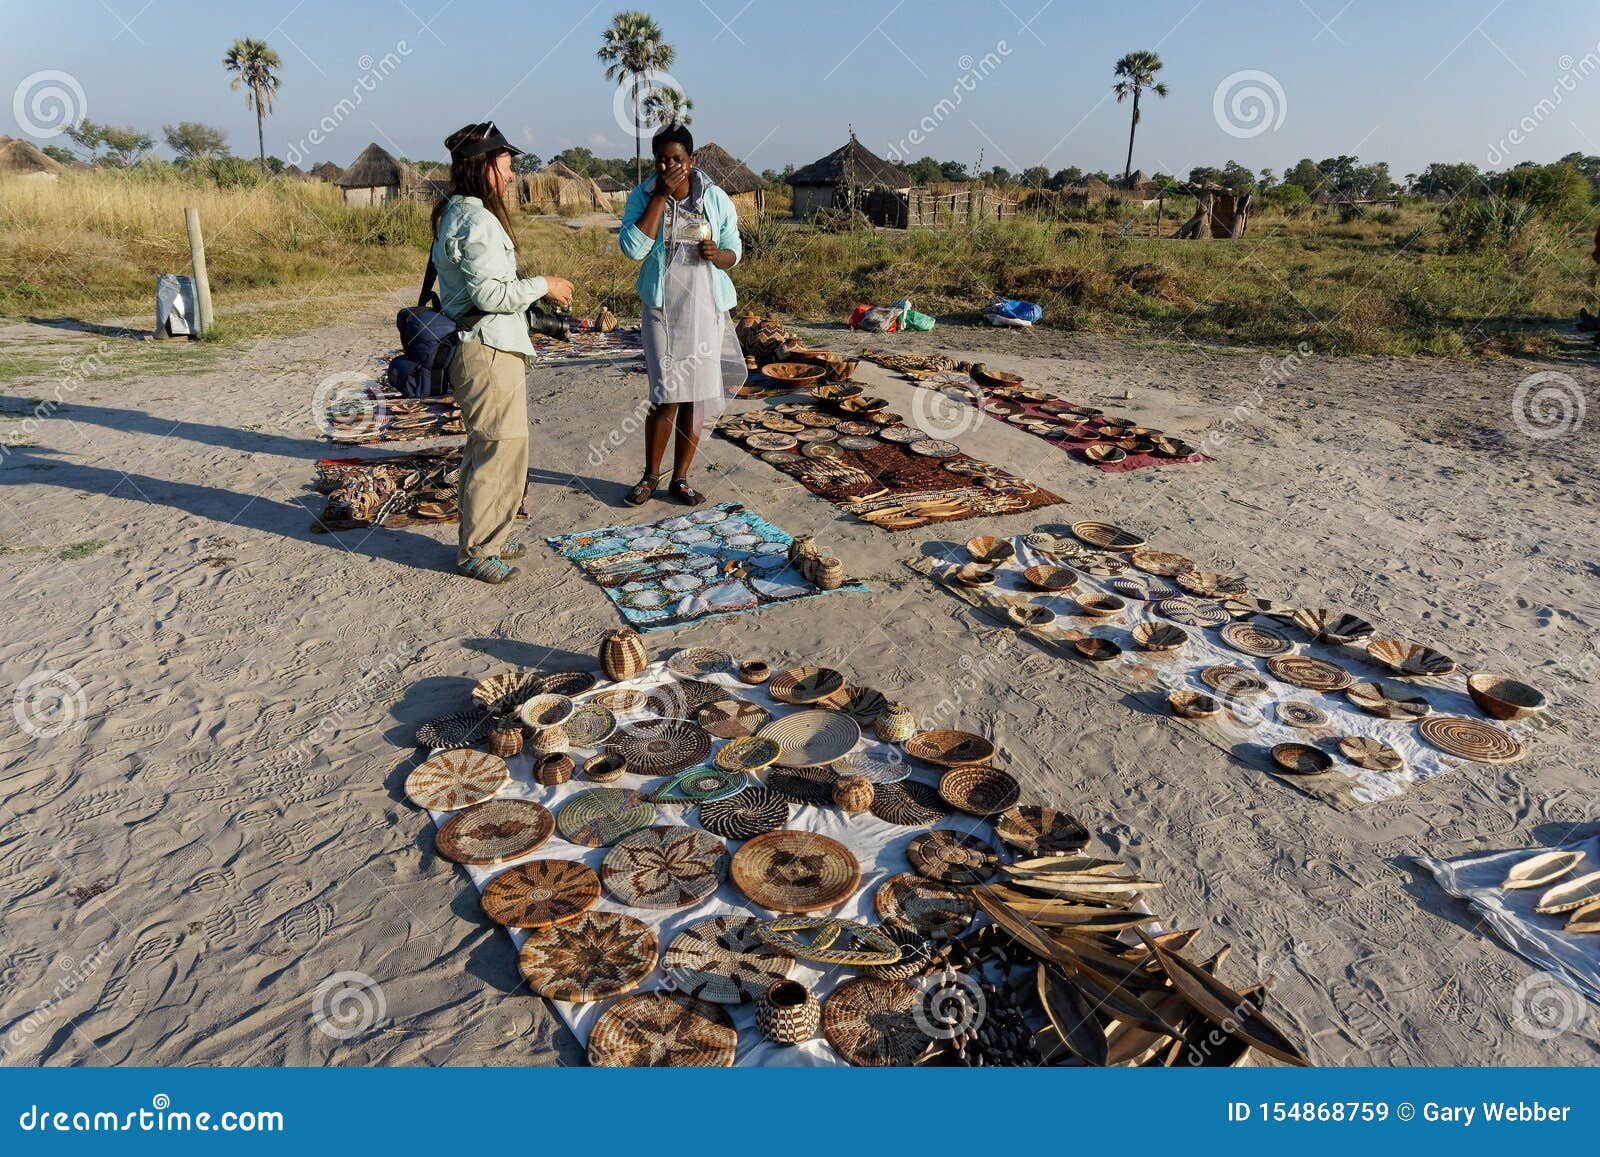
<point x="480" y="139"/>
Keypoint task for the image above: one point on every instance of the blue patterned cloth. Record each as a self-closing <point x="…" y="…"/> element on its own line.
<point x="720" y="560"/>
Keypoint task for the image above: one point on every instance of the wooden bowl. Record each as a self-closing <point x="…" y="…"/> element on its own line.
<point x="797" y="372"/>
<point x="1098" y="605"/>
<point x="989" y="549"/>
<point x="1503" y="697"/>
<point x="1050" y="578"/>
<point x="1193" y="704"/>
<point x="1301" y="758"/>
<point x="1160" y="636"/>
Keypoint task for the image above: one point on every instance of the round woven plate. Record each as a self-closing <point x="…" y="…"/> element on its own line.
<point x="908" y="804"/>
<point x="949" y="748"/>
<point x="732" y="718"/>
<point x="825" y="940"/>
<point x="663" y="1030"/>
<point x="667" y="866"/>
<point x="1191" y="612"/>
<point x="1410" y="659"/>
<point x="700" y="785"/>
<point x="855" y="442"/>
<point x="599" y="816"/>
<point x="933" y="448"/>
<point x="924" y="906"/>
<point x="1376" y="699"/>
<point x="495" y="832"/>
<point x="1470" y="739"/>
<point x="622" y="699"/>
<point x="1257" y="639"/>
<point x="1050" y="578"/>
<point x="748" y="753"/>
<point x="769" y="440"/>
<point x="722" y="959"/>
<point x="801" y="685"/>
<point x="1160" y="562"/>
<point x="590" y="725"/>
<point x="952" y="857"/>
<point x="812" y="738"/>
<point x="700" y="662"/>
<point x="978" y="790"/>
<point x="752" y="812"/>
<point x="1301" y="715"/>
<point x="791" y="871"/>
<point x="504" y="693"/>
<point x="453" y="780"/>
<point x="902" y="434"/>
<point x="599" y="955"/>
<point x="1210" y="585"/>
<point x="1312" y="674"/>
<point x="458" y="729"/>
<point x="803" y="785"/>
<point x="875" y="769"/>
<point x="1041" y="831"/>
<point x="568" y="683"/>
<point x="1104" y="565"/>
<point x="1145" y="588"/>
<point x="863" y="704"/>
<point x="662" y="746"/>
<point x="1372" y="754"/>
<point x="539" y="893"/>
<point x="1233" y="682"/>
<point x="683" y="698"/>
<point x="1105" y="536"/>
<point x="871" y="1022"/>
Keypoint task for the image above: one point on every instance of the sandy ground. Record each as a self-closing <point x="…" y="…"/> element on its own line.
<point x="177" y="881"/>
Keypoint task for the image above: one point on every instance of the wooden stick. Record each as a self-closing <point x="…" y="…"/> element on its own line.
<point x="202" y="283"/>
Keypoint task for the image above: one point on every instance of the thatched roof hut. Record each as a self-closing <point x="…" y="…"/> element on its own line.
<point x="24" y="159"/>
<point x="852" y="167"/>
<point x="748" y="191"/>
<point x="325" y="171"/>
<point x="613" y="193"/>
<point x="372" y="178"/>
<point x="427" y="183"/>
<point x="557" y="186"/>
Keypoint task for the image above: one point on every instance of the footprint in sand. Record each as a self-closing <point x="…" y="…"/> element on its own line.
<point x="214" y="880"/>
<point x="300" y="928"/>
<point x="159" y="946"/>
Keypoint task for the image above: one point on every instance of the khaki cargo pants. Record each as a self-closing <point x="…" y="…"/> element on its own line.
<point x="490" y="386"/>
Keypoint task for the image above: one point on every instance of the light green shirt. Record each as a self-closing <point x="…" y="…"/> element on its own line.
<point x="477" y="265"/>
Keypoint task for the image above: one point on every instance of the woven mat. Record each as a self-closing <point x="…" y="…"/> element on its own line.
<point x="394" y="491"/>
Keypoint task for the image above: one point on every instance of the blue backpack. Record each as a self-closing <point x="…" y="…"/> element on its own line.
<point x="427" y="344"/>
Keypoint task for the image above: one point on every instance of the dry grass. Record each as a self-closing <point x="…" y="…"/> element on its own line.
<point x="89" y="247"/>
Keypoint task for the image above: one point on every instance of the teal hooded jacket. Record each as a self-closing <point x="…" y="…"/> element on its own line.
<point x="720" y="215"/>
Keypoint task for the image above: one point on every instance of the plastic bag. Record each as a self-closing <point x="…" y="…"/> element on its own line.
<point x="912" y="320"/>
<point x="1013" y="310"/>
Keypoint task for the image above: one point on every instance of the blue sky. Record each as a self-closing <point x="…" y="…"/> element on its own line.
<point x="779" y="81"/>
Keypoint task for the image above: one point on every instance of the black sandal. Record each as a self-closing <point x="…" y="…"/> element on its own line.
<point x="644" y="490"/>
<point x="684" y="493"/>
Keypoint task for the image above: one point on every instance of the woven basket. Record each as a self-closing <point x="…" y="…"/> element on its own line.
<point x="803" y="550"/>
<point x="788" y="1013"/>
<point x="895" y="723"/>
<point x="853" y="793"/>
<point x="826" y="574"/>
<point x="550" y="741"/>
<point x="553" y="770"/>
<point x="506" y="740"/>
<point x="622" y="654"/>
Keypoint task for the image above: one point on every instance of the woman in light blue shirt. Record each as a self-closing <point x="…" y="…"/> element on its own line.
<point x="685" y="233"/>
<point x="475" y="254"/>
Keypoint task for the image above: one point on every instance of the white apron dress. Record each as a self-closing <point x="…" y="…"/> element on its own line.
<point x="691" y="351"/>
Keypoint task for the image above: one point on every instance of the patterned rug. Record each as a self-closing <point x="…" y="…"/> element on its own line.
<point x="886" y="483"/>
<point x="618" y="345"/>
<point x="718" y="560"/>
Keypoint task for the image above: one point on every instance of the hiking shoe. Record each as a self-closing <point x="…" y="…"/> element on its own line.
<point x="512" y="551"/>
<point x="488" y="570"/>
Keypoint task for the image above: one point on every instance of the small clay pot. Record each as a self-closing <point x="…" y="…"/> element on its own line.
<point x="788" y="1013"/>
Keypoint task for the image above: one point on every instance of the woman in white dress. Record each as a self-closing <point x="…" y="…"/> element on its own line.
<point x="684" y="231"/>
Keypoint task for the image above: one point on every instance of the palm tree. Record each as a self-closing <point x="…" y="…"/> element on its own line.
<point x="631" y="50"/>
<point x="668" y="106"/>
<point x="1136" y="72"/>
<point x="254" y="67"/>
